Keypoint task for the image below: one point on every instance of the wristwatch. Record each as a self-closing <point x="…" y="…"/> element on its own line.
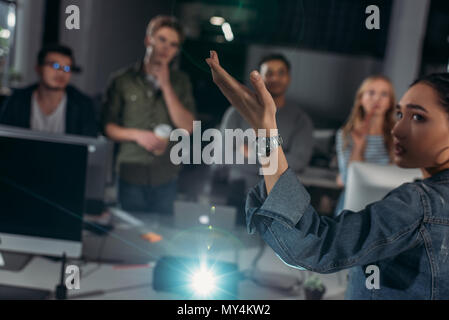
<point x="266" y="145"/>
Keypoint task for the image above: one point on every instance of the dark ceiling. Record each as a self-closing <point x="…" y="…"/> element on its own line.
<point x="325" y="25"/>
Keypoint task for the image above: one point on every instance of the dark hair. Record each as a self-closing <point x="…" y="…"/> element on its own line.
<point x="162" y="21"/>
<point x="275" y="56"/>
<point x="440" y="83"/>
<point x="54" y="48"/>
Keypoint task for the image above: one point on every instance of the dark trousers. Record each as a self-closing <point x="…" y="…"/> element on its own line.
<point x="147" y="199"/>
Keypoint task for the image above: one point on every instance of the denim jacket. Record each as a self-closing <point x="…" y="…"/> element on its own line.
<point x="405" y="235"/>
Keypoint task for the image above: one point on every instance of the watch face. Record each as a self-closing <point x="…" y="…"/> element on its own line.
<point x="266" y="145"/>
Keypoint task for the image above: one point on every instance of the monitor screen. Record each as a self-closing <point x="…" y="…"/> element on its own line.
<point x="42" y="188"/>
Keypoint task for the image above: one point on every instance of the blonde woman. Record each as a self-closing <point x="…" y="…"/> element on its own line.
<point x="367" y="134"/>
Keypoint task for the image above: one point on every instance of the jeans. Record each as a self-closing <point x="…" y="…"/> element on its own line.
<point x="154" y="199"/>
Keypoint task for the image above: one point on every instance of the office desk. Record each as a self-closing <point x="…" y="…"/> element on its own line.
<point x="319" y="178"/>
<point x="123" y="279"/>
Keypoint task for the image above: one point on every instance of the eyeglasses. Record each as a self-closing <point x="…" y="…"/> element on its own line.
<point x="57" y="66"/>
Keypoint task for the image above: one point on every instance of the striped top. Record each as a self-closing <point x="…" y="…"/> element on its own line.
<point x="375" y="152"/>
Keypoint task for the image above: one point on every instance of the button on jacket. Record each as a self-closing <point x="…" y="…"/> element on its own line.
<point x="406" y="235"/>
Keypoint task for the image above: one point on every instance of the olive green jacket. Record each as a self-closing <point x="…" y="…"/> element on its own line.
<point x="131" y="101"/>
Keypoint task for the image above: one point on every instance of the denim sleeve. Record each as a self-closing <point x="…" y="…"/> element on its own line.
<point x="303" y="239"/>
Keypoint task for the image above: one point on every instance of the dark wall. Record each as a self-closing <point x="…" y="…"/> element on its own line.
<point x="111" y="36"/>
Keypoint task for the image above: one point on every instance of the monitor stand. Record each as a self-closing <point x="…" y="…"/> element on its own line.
<point x="14" y="261"/>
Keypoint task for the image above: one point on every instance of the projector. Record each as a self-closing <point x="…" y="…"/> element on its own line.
<point x="196" y="278"/>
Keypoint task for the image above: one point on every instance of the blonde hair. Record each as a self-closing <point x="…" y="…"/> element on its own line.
<point x="162" y="21"/>
<point x="358" y="113"/>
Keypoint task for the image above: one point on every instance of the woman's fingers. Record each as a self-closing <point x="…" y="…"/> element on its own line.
<point x="367" y="121"/>
<point x="214" y="57"/>
<point x="252" y="106"/>
<point x="214" y="63"/>
<point x="234" y="91"/>
<point x="247" y="90"/>
<point x="261" y="90"/>
<point x="227" y="84"/>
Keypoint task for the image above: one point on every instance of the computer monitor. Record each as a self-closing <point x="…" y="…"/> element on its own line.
<point x="99" y="165"/>
<point x="43" y="180"/>
<point x="368" y="183"/>
<point x="99" y="169"/>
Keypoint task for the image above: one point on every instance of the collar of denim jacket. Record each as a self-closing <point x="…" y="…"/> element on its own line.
<point x="442" y="176"/>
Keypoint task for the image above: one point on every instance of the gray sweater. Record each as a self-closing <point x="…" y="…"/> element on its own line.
<point x="296" y="129"/>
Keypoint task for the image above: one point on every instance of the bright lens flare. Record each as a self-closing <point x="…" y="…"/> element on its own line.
<point x="203" y="282"/>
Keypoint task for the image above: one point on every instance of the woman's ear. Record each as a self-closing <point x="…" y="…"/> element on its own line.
<point x="442" y="157"/>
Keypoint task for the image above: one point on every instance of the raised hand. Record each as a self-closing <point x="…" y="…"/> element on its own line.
<point x="258" y="108"/>
<point x="360" y="132"/>
<point x="162" y="74"/>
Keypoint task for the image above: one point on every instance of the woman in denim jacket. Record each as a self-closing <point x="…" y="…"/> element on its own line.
<point x="406" y="235"/>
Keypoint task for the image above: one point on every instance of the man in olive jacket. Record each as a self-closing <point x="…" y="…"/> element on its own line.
<point x="138" y="99"/>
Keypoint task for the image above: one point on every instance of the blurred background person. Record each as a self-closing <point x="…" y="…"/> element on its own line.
<point x="366" y="136"/>
<point x="52" y="105"/>
<point x="138" y="99"/>
<point x="296" y="129"/>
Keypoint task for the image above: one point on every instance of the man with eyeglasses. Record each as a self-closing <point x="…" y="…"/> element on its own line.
<point x="52" y="105"/>
<point x="138" y="100"/>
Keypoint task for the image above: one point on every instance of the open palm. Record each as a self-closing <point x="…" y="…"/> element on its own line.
<point x="258" y="108"/>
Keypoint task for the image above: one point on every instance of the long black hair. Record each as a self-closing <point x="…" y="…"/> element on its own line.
<point x="440" y="83"/>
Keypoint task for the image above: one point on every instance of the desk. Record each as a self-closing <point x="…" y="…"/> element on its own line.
<point x="320" y="178"/>
<point x="112" y="281"/>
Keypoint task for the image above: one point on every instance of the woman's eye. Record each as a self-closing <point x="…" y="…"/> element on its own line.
<point x="418" y="117"/>
<point x="398" y="115"/>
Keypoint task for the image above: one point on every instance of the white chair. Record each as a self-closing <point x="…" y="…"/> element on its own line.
<point x="368" y="183"/>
